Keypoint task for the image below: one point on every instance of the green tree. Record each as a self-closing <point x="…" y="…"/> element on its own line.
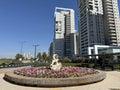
<point x="39" y="56"/>
<point x="18" y="56"/>
<point x="66" y="59"/>
<point x="79" y="59"/>
<point x="49" y="58"/>
<point x="44" y="56"/>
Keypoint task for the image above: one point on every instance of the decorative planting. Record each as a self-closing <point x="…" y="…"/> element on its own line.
<point x="46" y="72"/>
<point x="44" y="76"/>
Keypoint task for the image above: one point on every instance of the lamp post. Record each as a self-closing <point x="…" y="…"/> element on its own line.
<point x="35" y="46"/>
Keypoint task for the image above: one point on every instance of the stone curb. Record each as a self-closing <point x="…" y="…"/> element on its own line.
<point x="54" y="82"/>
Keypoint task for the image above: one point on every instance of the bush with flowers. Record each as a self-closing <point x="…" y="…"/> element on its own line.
<point x="46" y="72"/>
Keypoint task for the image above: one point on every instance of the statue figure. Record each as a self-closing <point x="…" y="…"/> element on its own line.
<point x="56" y="64"/>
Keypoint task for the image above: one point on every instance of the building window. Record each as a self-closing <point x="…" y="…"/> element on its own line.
<point x="90" y="7"/>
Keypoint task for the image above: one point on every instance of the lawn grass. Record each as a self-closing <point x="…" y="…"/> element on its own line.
<point x="6" y="61"/>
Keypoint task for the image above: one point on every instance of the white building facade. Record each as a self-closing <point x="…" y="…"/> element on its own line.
<point x="104" y="49"/>
<point x="64" y="43"/>
<point x="111" y="22"/>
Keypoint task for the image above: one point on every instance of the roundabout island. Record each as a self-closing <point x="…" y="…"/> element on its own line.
<point x="55" y="75"/>
<point x="55" y="82"/>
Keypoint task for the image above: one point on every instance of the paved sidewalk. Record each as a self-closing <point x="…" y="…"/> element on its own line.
<point x="112" y="82"/>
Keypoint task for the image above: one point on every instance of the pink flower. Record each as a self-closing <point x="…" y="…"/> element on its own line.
<point x="46" y="72"/>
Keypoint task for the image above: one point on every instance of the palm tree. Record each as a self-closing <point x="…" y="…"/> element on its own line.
<point x="44" y="56"/>
<point x="39" y="56"/>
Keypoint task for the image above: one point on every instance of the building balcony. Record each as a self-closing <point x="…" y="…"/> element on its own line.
<point x="112" y="31"/>
<point x="113" y="34"/>
<point x="113" y="41"/>
<point x="112" y="19"/>
<point x="111" y="22"/>
<point x="109" y="3"/>
<point x="113" y="38"/>
<point x="111" y="27"/>
<point x="109" y="6"/>
<point x="110" y="16"/>
<point x="110" y="10"/>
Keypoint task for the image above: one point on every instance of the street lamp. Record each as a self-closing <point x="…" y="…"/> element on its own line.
<point x="36" y="45"/>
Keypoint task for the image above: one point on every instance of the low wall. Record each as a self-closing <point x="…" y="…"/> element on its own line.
<point x="54" y="82"/>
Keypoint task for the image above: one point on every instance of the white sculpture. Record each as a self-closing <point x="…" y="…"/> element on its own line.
<point x="55" y="65"/>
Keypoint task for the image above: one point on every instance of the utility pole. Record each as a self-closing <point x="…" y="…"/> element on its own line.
<point x="21" y="50"/>
<point x="35" y="46"/>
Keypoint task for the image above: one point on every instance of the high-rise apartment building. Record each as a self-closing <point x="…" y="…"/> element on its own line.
<point x="90" y="24"/>
<point x="64" y="43"/>
<point x="51" y="49"/>
<point x="111" y="22"/>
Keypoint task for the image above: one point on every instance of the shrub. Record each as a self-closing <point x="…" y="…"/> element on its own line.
<point x="37" y="64"/>
<point x="3" y="64"/>
<point x="66" y="59"/>
<point x="78" y="59"/>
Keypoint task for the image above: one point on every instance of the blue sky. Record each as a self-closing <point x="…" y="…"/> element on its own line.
<point x="28" y="20"/>
<point x="31" y="21"/>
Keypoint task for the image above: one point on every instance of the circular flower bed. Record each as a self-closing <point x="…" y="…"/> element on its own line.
<point x="46" y="72"/>
<point x="46" y="77"/>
